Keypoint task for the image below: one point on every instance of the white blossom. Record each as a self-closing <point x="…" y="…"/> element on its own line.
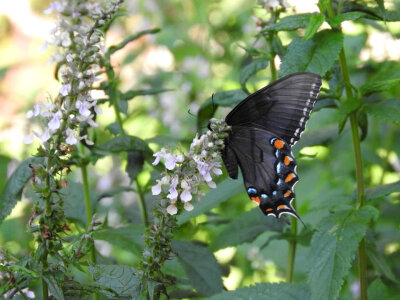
<point x="188" y="206"/>
<point x="172" y="209"/>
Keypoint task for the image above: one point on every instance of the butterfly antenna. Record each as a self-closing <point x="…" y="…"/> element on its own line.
<point x="212" y="100"/>
<point x="190" y="113"/>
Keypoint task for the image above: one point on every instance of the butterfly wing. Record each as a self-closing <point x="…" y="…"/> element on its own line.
<point x="268" y="168"/>
<point x="282" y="108"/>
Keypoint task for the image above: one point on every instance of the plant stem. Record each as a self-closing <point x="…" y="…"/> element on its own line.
<point x="362" y="252"/>
<point x="292" y="248"/>
<point x="88" y="208"/>
<point x="142" y="203"/>
<point x="45" y="292"/>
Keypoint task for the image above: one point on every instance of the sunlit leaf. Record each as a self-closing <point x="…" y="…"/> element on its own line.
<point x="200" y="266"/>
<point x="333" y="248"/>
<point x="315" y="23"/>
<point x="291" y="23"/>
<point x="378" y="86"/>
<point x="123" y="143"/>
<point x="388" y="110"/>
<point x="348" y="16"/>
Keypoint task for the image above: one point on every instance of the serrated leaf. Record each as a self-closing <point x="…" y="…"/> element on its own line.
<point x="253" y="67"/>
<point x="284" y="291"/>
<point x="245" y="228"/>
<point x="15" y="184"/>
<point x="54" y="288"/>
<point x="129" y="95"/>
<point x="119" y="278"/>
<point x="223" y="98"/>
<point x="290" y="23"/>
<point x="200" y="266"/>
<point x="349" y="16"/>
<point x="123" y="143"/>
<point x="317" y="55"/>
<point x="315" y="23"/>
<point x="382" y="190"/>
<point x="224" y="190"/>
<point x="378" y="86"/>
<point x="333" y="248"/>
<point x="388" y="110"/>
<point x="128" y="238"/>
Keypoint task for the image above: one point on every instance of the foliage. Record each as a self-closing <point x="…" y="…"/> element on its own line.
<point x="120" y="239"/>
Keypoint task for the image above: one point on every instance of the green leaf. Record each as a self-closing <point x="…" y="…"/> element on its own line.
<point x="388" y="110"/>
<point x="317" y="55"/>
<point x="129" y="95"/>
<point x="378" y="86"/>
<point x="119" y="278"/>
<point x="290" y="23"/>
<point x="224" y="190"/>
<point x="377" y="290"/>
<point x="129" y="39"/>
<point x="13" y="189"/>
<point x="223" y="98"/>
<point x="382" y="190"/>
<point x="4" y="160"/>
<point x="333" y="249"/>
<point x="362" y="124"/>
<point x="380" y="263"/>
<point x="315" y="23"/>
<point x="245" y="228"/>
<point x="320" y="136"/>
<point x="74" y="203"/>
<point x="322" y="4"/>
<point x="123" y="143"/>
<point x="54" y="288"/>
<point x="200" y="266"/>
<point x="253" y="67"/>
<point x="349" y="16"/>
<point x="135" y="164"/>
<point x="128" y="238"/>
<point x="284" y="291"/>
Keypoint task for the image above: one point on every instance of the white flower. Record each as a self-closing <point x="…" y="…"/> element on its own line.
<point x="211" y="184"/>
<point x="45" y="136"/>
<point x="186" y="196"/>
<point x="55" y="123"/>
<point x="65" y="89"/>
<point x="188" y="206"/>
<point x="29" y="139"/>
<point x="172" y="210"/>
<point x="160" y="154"/>
<point x="171" y="160"/>
<point x="83" y="108"/>
<point x="173" y="193"/>
<point x="156" y="189"/>
<point x="71" y="137"/>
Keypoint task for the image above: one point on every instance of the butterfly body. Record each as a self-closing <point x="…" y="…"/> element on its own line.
<point x="264" y="127"/>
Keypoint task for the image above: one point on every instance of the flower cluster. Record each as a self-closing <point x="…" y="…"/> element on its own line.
<point x="79" y="40"/>
<point x="185" y="173"/>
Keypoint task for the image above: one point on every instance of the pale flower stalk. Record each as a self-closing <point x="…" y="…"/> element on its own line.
<point x="185" y="174"/>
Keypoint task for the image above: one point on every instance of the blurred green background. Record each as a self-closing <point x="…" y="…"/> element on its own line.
<point x="197" y="53"/>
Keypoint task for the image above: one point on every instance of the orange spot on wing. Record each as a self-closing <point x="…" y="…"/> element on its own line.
<point x="289" y="177"/>
<point x="281" y="206"/>
<point x="287" y="194"/>
<point x="279" y="144"/>
<point x="269" y="209"/>
<point x="287" y="160"/>
<point x="256" y="199"/>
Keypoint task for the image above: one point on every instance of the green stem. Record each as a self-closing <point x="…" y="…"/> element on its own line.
<point x="88" y="208"/>
<point x="45" y="290"/>
<point x="362" y="252"/>
<point x="142" y="203"/>
<point x="292" y="248"/>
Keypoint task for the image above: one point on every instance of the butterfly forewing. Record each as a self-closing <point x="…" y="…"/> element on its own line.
<point x="264" y="127"/>
<point x="282" y="108"/>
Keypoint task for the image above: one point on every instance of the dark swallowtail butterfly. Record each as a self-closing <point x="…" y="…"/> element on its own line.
<point x="264" y="127"/>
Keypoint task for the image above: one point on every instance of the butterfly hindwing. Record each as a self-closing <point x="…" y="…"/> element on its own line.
<point x="268" y="167"/>
<point x="282" y="108"/>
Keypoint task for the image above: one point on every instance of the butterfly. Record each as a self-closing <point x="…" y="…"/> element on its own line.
<point x="264" y="127"/>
